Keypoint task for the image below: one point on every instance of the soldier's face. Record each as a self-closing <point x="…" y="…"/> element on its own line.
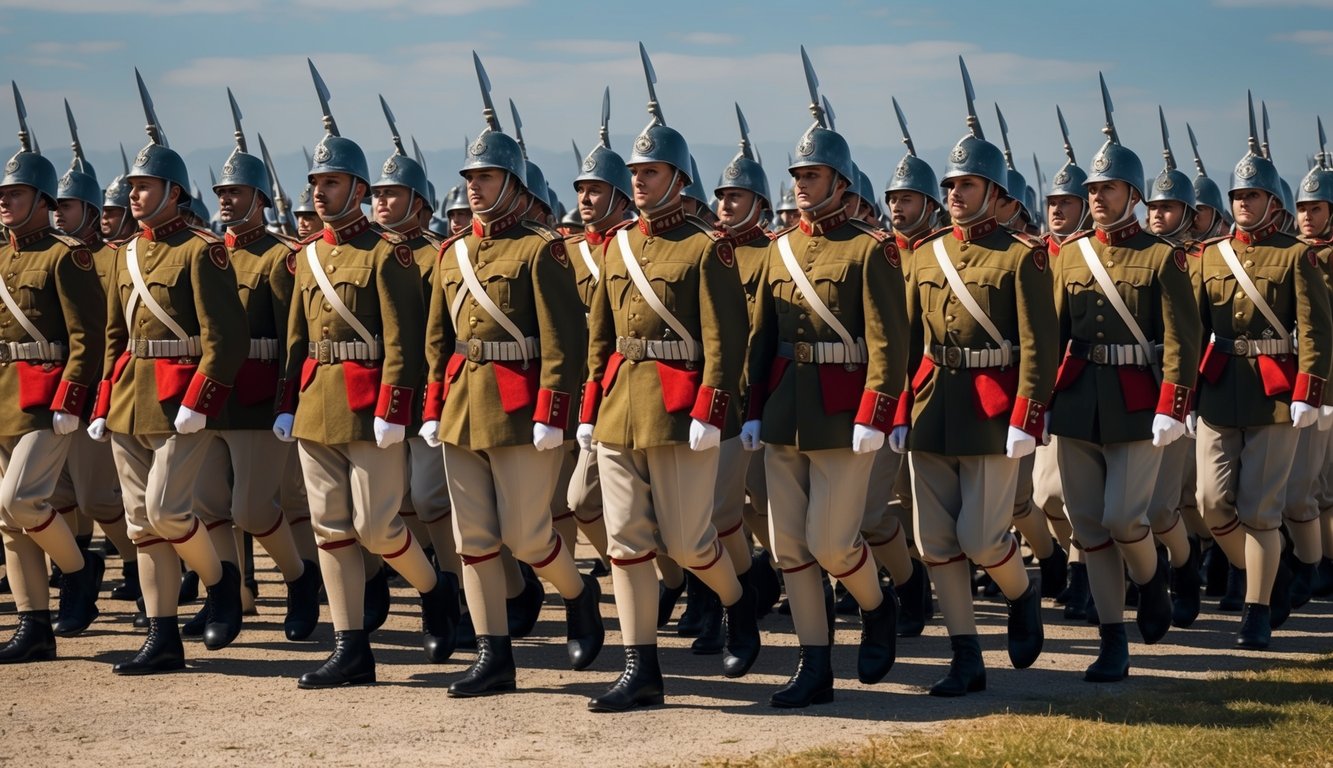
<point x="1204" y="219"/>
<point x="969" y="196"/>
<point x="789" y="218"/>
<point x="235" y="201"/>
<point x="594" y="199"/>
<point x="146" y="197"/>
<point x="905" y="207"/>
<point x="1108" y="201"/>
<point x="1165" y="216"/>
<point x="71" y="215"/>
<point x="1006" y="208"/>
<point x="460" y="220"/>
<point x="112" y="220"/>
<point x="736" y="206"/>
<point x="16" y="202"/>
<point x="813" y="185"/>
<point x="1312" y="218"/>
<point x="330" y="193"/>
<point x="1251" y="207"/>
<point x="653" y="182"/>
<point x="1063" y="212"/>
<point x="392" y="204"/>
<point x="307" y="224"/>
<point x="484" y="187"/>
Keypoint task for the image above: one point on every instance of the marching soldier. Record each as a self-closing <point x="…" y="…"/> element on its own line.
<point x="353" y="364"/>
<point x="1212" y="216"/>
<point x="977" y="298"/>
<point x="53" y="307"/>
<point x="503" y="341"/>
<point x="264" y="269"/>
<point x="307" y="220"/>
<point x="175" y="339"/>
<point x="456" y="210"/>
<point x="1121" y="295"/>
<point x="786" y="214"/>
<point x="1258" y="382"/>
<point x="667" y="337"/>
<point x="117" y="224"/>
<point x="843" y="346"/>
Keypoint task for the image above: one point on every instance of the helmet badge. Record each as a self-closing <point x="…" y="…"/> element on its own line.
<point x="322" y="153"/>
<point x="390" y="167"/>
<point x="958" y="155"/>
<point x="12" y="165"/>
<point x="1246" y="170"/>
<point x="1164" y="182"/>
<point x="1312" y="184"/>
<point x="1062" y="177"/>
<point x="732" y="172"/>
<point x="644" y="144"/>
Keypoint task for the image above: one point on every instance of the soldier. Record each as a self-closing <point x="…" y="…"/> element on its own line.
<point x="1212" y="216"/>
<point x="667" y="334"/>
<point x="696" y="201"/>
<point x="175" y="339"/>
<point x="1171" y="207"/>
<point x="973" y="409"/>
<point x="499" y="397"/>
<point x="1111" y="410"/>
<point x="84" y="489"/>
<point x="307" y="219"/>
<point x="264" y="269"/>
<point x="1257" y="383"/>
<point x="354" y="355"/>
<point x="51" y="352"/>
<point x="844" y="346"/>
<point x="456" y="210"/>
<point x="116" y="222"/>
<point x="786" y="212"/>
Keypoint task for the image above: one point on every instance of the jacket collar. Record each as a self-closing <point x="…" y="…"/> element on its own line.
<point x="19" y="243"/>
<point x="346" y="232"/>
<point x="1252" y="236"/>
<point x="1119" y="234"/>
<point x="165" y="230"/>
<point x="662" y="221"/>
<point x="825" y="224"/>
<point x="242" y="239"/>
<point x="975" y="231"/>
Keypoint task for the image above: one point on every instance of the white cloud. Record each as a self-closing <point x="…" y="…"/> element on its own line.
<point x="1270" y="4"/>
<point x="1317" y="40"/>
<point x="79" y="48"/>
<point x="146" y="7"/>
<point x="431" y="7"/>
<point x="710" y="38"/>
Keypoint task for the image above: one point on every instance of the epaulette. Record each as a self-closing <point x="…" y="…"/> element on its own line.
<point x="879" y="233"/>
<point x="205" y="234"/>
<point x="782" y="232"/>
<point x="930" y="237"/>
<point x="539" y="228"/>
<point x="388" y="235"/>
<point x="705" y="227"/>
<point x="1031" y="241"/>
<point x="1078" y="235"/>
<point x="70" y="240"/>
<point x="290" y="242"/>
<point x="448" y="241"/>
<point x="435" y="240"/>
<point x="312" y="237"/>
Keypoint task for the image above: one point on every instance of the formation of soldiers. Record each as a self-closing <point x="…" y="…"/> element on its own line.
<point x="716" y="391"/>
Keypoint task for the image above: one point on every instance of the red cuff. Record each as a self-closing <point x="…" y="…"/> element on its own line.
<point x="205" y="395"/>
<point x="877" y="410"/>
<point x="103" y="405"/>
<point x="902" y="415"/>
<point x="434" y="404"/>
<point x="1029" y="416"/>
<point x="1174" y="401"/>
<point x="754" y="403"/>
<point x="285" y="401"/>
<point x="710" y="406"/>
<point x="71" y="397"/>
<point x="395" y="404"/>
<point x="552" y="408"/>
<point x="592" y="400"/>
<point x="1309" y="389"/>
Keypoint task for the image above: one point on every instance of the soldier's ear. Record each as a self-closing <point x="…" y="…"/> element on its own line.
<point x="175" y="193"/>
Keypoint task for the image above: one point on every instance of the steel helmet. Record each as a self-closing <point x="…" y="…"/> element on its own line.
<point x="80" y="181"/>
<point x="27" y="167"/>
<point x="493" y="149"/>
<point x="243" y="169"/>
<point x="1317" y="186"/>
<point x="456" y="200"/>
<point x="973" y="155"/>
<point x="695" y="188"/>
<point x="1114" y="162"/>
<point x="658" y="143"/>
<point x="1254" y="171"/>
<point x="912" y="173"/>
<point x="399" y="170"/>
<point x="602" y="164"/>
<point x="1016" y="184"/>
<point x="1171" y="184"/>
<point x="744" y="171"/>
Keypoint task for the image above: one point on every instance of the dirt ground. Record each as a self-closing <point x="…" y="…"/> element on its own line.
<point x="241" y="706"/>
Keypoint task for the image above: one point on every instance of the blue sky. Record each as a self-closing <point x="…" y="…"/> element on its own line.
<point x="1194" y="57"/>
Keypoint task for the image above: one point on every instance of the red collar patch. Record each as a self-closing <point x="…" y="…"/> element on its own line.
<point x="664" y="222"/>
<point x="242" y="239"/>
<point x="1119" y="235"/>
<point x="975" y="231"/>
<point x="493" y="228"/>
<point x="157" y="233"/>
<point x="339" y="236"/>
<point x="1252" y="236"/>
<point x="823" y="226"/>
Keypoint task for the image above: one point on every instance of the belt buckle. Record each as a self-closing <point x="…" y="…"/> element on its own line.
<point x="140" y="347"/>
<point x="475" y="351"/>
<point x="1241" y="348"/>
<point x="953" y="357"/>
<point x="634" y="350"/>
<point x="6" y="353"/>
<point x="324" y="352"/>
<point x="1101" y="354"/>
<point x="803" y="352"/>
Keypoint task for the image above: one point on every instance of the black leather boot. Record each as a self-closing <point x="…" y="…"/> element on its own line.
<point x="912" y="597"/>
<point x="194" y="626"/>
<point x="1026" y="633"/>
<point x="1279" y="601"/>
<point x="1256" y="628"/>
<point x="1076" y="595"/>
<point x="879" y="640"/>
<point x="375" y="603"/>
<point x="1154" y="612"/>
<point x="1302" y="582"/>
<point x="439" y="618"/>
<point x="742" y="632"/>
<point x="667" y="597"/>
<point x="690" y="623"/>
<point x="78" y="596"/>
<point x="640" y="685"/>
<point x="128" y="589"/>
<point x="1054" y="571"/>
<point x="189" y="591"/>
<point x="161" y="652"/>
<point x="967" y="672"/>
<point x="1323" y="583"/>
<point x="33" y="640"/>
<point x="1234" y="599"/>
<point x="1112" y="664"/>
<point x="767" y="587"/>
<point x="583" y="619"/>
<point x="1185" y="585"/>
<point x="812" y="683"/>
<point x="224" y="609"/>
<point x="711" y="639"/>
<point x="522" y="611"/>
<point x="302" y="604"/>
<point x="351" y="663"/>
<point x="492" y="672"/>
<point x="140" y="617"/>
<point x="1215" y="570"/>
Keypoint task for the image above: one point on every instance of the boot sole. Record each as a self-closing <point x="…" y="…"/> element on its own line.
<point x="823" y="697"/>
<point x="1089" y="677"/>
<point x="149" y="670"/>
<point x="51" y="656"/>
<point x="649" y="701"/>
<point x="974" y="686"/>
<point x="360" y="680"/>
<point x="499" y="688"/>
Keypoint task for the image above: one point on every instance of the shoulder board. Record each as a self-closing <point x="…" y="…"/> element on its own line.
<point x="1202" y="245"/>
<point x="448" y="241"/>
<point x="622" y="225"/>
<point x="434" y="240"/>
<point x="537" y="227"/>
<point x="876" y="232"/>
<point x="207" y="235"/>
<point x="290" y="242"/>
<point x="72" y="242"/>
<point x="1082" y="233"/>
<point x="930" y="237"/>
<point x="704" y="227"/>
<point x="785" y="230"/>
<point x="78" y="250"/>
<point x="388" y="235"/>
<point x="307" y="240"/>
<point x="1031" y="241"/>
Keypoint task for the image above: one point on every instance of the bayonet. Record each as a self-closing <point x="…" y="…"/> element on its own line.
<point x="1041" y="178"/>
<point x="1004" y="137"/>
<point x="420" y="158"/>
<point x="604" y="133"/>
<point x="578" y="157"/>
<point x="124" y="161"/>
<point x="80" y="163"/>
<point x="281" y="202"/>
<point x="812" y="84"/>
<point x="973" y="122"/>
<point x="154" y="128"/>
<point x="1064" y="132"/>
<point x="1108" y="108"/>
<point x="306" y="154"/>
<point x="1263" y="106"/>
<point x="518" y="129"/>
<point x="1194" y="146"/>
<point x="488" y="109"/>
<point x="1323" y="153"/>
<point x="236" y="121"/>
<point x="1166" y="141"/>
<point x="829" y="114"/>
<point x="902" y="126"/>
<point x="330" y="125"/>
<point x="212" y="178"/>
<point x="649" y="74"/>
<point x="393" y="127"/>
<point x="746" y="149"/>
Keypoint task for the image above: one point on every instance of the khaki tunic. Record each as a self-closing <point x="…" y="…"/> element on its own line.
<point x="265" y="269"/>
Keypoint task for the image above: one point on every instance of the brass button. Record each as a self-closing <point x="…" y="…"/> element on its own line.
<point x="1101" y="318"/>
<point x="1110" y="264"/>
<point x="1249" y="249"/>
<point x="481" y="262"/>
<point x="962" y="264"/>
<point x="1240" y="315"/>
<point x="633" y="334"/>
<point x="1240" y="295"/>
<point x="334" y="252"/>
<point x="1249" y="263"/>
<point x="948" y="319"/>
<point x="1101" y="302"/>
<point x="330" y="269"/>
<point x="804" y="316"/>
<point x="800" y="331"/>
<point x="1101" y="335"/>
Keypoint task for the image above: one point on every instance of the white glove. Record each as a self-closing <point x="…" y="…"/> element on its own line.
<point x="898" y="439"/>
<point x="282" y="427"/>
<point x="547" y="437"/>
<point x="866" y="439"/>
<point x="1325" y="418"/>
<point x="750" y="435"/>
<point x="1166" y="430"/>
<point x="189" y="421"/>
<point x="63" y="423"/>
<point x="1303" y="414"/>
<point x="704" y="435"/>
<point x="387" y="434"/>
<point x="97" y="430"/>
<point x="584" y="436"/>
<point x="430" y="432"/>
<point x="1019" y="443"/>
<point x="1192" y="424"/>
